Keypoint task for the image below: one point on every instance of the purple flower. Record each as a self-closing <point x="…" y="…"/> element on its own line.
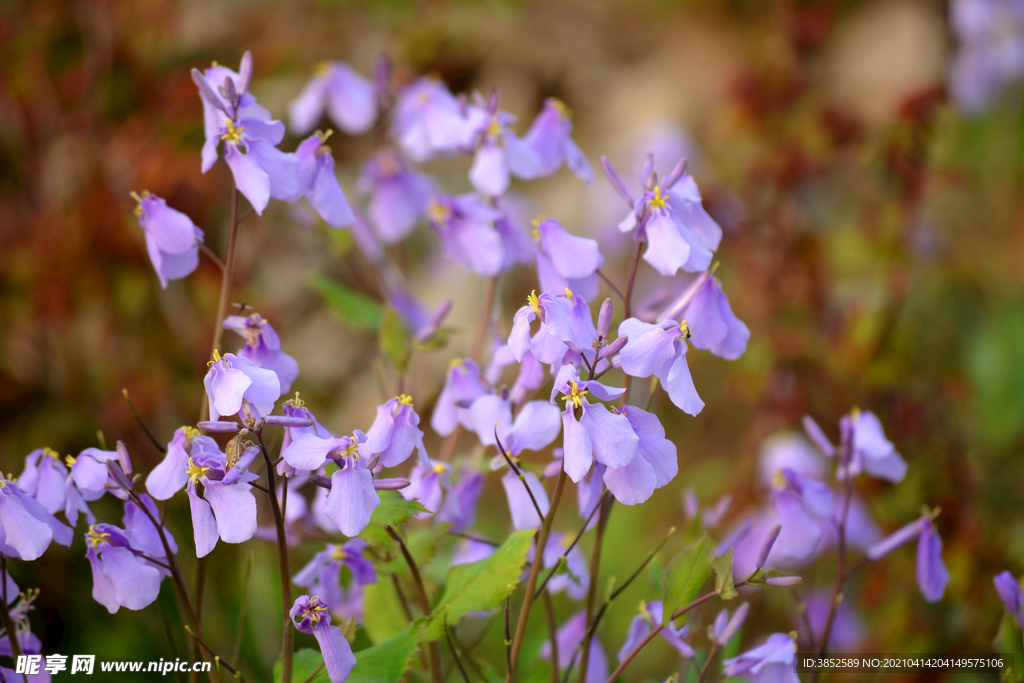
<point x="500" y="153"/>
<point x="235" y="381"/>
<point x="429" y="120"/>
<point x="520" y="506"/>
<point x="466" y="226"/>
<point x="660" y="350"/>
<point x="871" y="451"/>
<point x="548" y="344"/>
<point x="591" y="431"/>
<point x="87" y="480"/>
<point x="171" y="475"/>
<point x="427" y="484"/>
<point x="322" y="574"/>
<point x="352" y="498"/>
<point x="713" y="325"/>
<point x="536" y="425"/>
<point x="459" y="507"/>
<point x="788" y="450"/>
<point x="550" y="136"/>
<point x="44" y="478"/>
<point x="395" y="433"/>
<point x="679" y="233"/>
<point x="143" y="534"/>
<point x="725" y="627"/>
<point x="350" y="99"/>
<point x="227" y="508"/>
<point x="318" y="182"/>
<point x="1009" y="592"/>
<point x="172" y="239"/>
<point x="847" y="629"/>
<point x="654" y="465"/>
<point x="461" y="388"/>
<point x="121" y="578"/>
<point x="932" y="576"/>
<point x="576" y="578"/>
<point x="817" y="436"/>
<point x="650" y="615"/>
<point x="231" y="115"/>
<point x="263" y="348"/>
<point x="800" y="503"/>
<point x="565" y="261"/>
<point x="569" y="637"/>
<point x="772" y="662"/>
<point x="399" y="194"/>
<point x="26" y="528"/>
<point x="309" y="614"/>
<point x="516" y="245"/>
<point x="990" y="54"/>
<point x="309" y="451"/>
<point x="295" y="407"/>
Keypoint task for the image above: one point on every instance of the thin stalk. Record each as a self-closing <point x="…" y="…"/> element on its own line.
<point x="5" y="615"/>
<point x="145" y="428"/>
<point x="549" y="611"/>
<point x="236" y="650"/>
<point x="707" y="663"/>
<point x="628" y="304"/>
<point x="213" y="257"/>
<point x="287" y="636"/>
<point x="572" y="545"/>
<point x="216" y="657"/>
<point x="837" y="594"/>
<point x="421" y="594"/>
<point x="508" y="634"/>
<point x="518" y="473"/>
<point x="611" y="284"/>
<point x="531" y="584"/>
<point x="595" y="567"/>
<point x="455" y="655"/>
<point x="225" y="287"/>
<point x="485" y="320"/>
<point x="315" y="672"/>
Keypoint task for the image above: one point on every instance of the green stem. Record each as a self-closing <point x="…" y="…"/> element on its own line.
<point x="287" y="635"/>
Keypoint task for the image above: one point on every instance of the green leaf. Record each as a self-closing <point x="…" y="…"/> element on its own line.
<point x="723" y="576"/>
<point x="395" y="339"/>
<point x="480" y="585"/>
<point x="1009" y="641"/>
<point x="355" y="308"/>
<point x="383" y="617"/>
<point x="686" y="575"/>
<point x="394" y="509"/>
<point x="386" y="662"/>
<point x="304" y="663"/>
<point x="438" y="340"/>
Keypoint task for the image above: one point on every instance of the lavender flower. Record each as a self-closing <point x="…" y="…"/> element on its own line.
<point x="171" y="475"/>
<point x="235" y="382"/>
<point x="654" y="465"/>
<point x="399" y="194"/>
<point x="520" y="506"/>
<point x="847" y="629"/>
<point x="44" y="479"/>
<point x="871" y="451"/>
<point x="350" y="99"/>
<point x="395" y="433"/>
<point x="318" y="182"/>
<point x="660" y="350"/>
<point x="121" y="578"/>
<point x="172" y="239"/>
<point x="576" y="578"/>
<point x="565" y="261"/>
<point x="227" y="509"/>
<point x="427" y="484"/>
<point x="548" y="344"/>
<point x="352" y="498"/>
<point x="640" y="628"/>
<point x="263" y="348"/>
<point x="990" y="54"/>
<point x="459" y="507"/>
<point x="465" y="225"/>
<point x="713" y="325"/>
<point x="800" y="503"/>
<point x="26" y="528"/>
<point x="725" y="627"/>
<point x="1009" y="592"/>
<point x="591" y="431"/>
<point x="461" y="388"/>
<point x="569" y="637"/>
<point x="429" y="120"/>
<point x="322" y="574"/>
<point x="500" y="153"/>
<point x="550" y="136"/>
<point x="932" y="575"/>
<point x="772" y="662"/>
<point x="309" y="614"/>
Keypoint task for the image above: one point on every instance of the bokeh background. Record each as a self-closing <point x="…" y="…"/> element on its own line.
<point x="873" y="246"/>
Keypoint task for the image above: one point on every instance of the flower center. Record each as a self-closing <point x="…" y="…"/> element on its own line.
<point x="95" y="538"/>
<point x="575" y="395"/>
<point x="234" y="134"/>
<point x="494" y="129"/>
<point x="684" y="329"/>
<point x="216" y="359"/>
<point x="438" y="468"/>
<point x="563" y="111"/>
<point x="404" y="399"/>
<point x="195" y="471"/>
<point x="338" y="554"/>
<point x="438" y="212"/>
<point x="316" y="610"/>
<point x="70" y="460"/>
<point x="534" y="302"/>
<point x="657" y="201"/>
<point x="49" y="452"/>
<point x="295" y="402"/>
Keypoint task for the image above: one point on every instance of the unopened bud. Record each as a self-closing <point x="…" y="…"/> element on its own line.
<point x="738" y="617"/>
<point x="122" y="457"/>
<point x="604" y="319"/>
<point x="614" y="347"/>
<point x="245" y="73"/>
<point x="674" y="175"/>
<point x="286" y="421"/>
<point x="766" y="547"/>
<point x="118" y="475"/>
<point x="390" y="484"/>
<point x="783" y="581"/>
<point x="228" y="90"/>
<point x="219" y="426"/>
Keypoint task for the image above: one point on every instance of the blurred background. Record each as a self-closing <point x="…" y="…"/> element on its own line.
<point x="873" y="245"/>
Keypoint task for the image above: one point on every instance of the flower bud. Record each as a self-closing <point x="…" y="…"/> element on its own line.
<point x="783" y="581"/>
<point x="118" y="475"/>
<point x="390" y="484"/>
<point x="219" y="426"/>
<point x="739" y="616"/>
<point x="124" y="459"/>
<point x="616" y="182"/>
<point x="286" y="421"/>
<point x="613" y="348"/>
<point x="766" y="547"/>
<point x="674" y="175"/>
<point x="604" y="319"/>
<point x="245" y="73"/>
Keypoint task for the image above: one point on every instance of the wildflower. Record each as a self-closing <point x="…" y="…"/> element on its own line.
<point x="465" y="225"/>
<point x="319" y="184"/>
<point x="429" y="120"/>
<point x="235" y="381"/>
<point x="1009" y="592"/>
<point x="565" y="261"/>
<point x="395" y="433"/>
<point x="654" y="465"/>
<point x="352" y="498"/>
<point x="800" y="503"/>
<point x="847" y="628"/>
<point x="871" y="451"/>
<point x="350" y="100"/>
<point x="427" y="484"/>
<point x="44" y="478"/>
<point x="231" y="115"/>
<point x="263" y="348"/>
<point x="713" y="325"/>
<point x="660" y="350"/>
<point x="121" y="577"/>
<point x="650" y="615"/>
<point x="576" y="578"/>
<point x="461" y="388"/>
<point x="172" y="239"/>
<point x="591" y="431"/>
<point x="520" y="504"/>
<point x="322" y="574"/>
<point x="499" y="153"/>
<point x="569" y="637"/>
<point x="459" y="507"/>
<point x="310" y="615"/>
<point x="725" y="627"/>
<point x="990" y="54"/>
<point x="932" y="575"/>
<point x="26" y="528"/>
<point x="143" y="534"/>
<point x="772" y="662"/>
<point x="556" y="326"/>
<point x="227" y="509"/>
<point x="399" y="194"/>
<point x="550" y="136"/>
<point x="171" y="475"/>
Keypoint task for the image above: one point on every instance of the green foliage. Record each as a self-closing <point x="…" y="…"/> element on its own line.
<point x="480" y="585"/>
<point x="395" y="341"/>
<point x="996" y="364"/>
<point x="304" y="663"/>
<point x="386" y="662"/>
<point x="354" y="308"/>
<point x="723" y="576"/>
<point x="394" y="509"/>
<point x="686" y="575"/>
<point x="383" y="616"/>
<point x="1010" y="642"/>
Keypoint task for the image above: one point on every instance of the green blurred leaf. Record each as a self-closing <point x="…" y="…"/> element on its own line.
<point x="686" y="575"/>
<point x="386" y="662"/>
<point x="394" y="509"/>
<point x="723" y="576"/>
<point x="439" y="340"/>
<point x="304" y="663"/>
<point x="480" y="585"/>
<point x="354" y="308"/>
<point x="395" y="339"/>
<point x="996" y="363"/>
<point x="383" y="616"/>
<point x="1010" y="641"/>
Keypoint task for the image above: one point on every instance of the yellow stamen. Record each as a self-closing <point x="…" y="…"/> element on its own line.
<point x="51" y="453"/>
<point x="568" y="294"/>
<point x="404" y="399"/>
<point x="95" y="538"/>
<point x="535" y="233"/>
<point x="658" y="200"/>
<point x="234" y="134"/>
<point x="70" y="460"/>
<point x="575" y="395"/>
<point x="494" y="129"/>
<point x="534" y="301"/>
<point x="779" y="479"/>
<point x="216" y="358"/>
<point x="338" y="554"/>
<point x="316" y="610"/>
<point x="438" y="468"/>
<point x="561" y="108"/>
<point x="352" y="451"/>
<point x="438" y="212"/>
<point x="196" y="471"/>
<point x="295" y="402"/>
<point x="684" y="329"/>
<point x="456" y="363"/>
